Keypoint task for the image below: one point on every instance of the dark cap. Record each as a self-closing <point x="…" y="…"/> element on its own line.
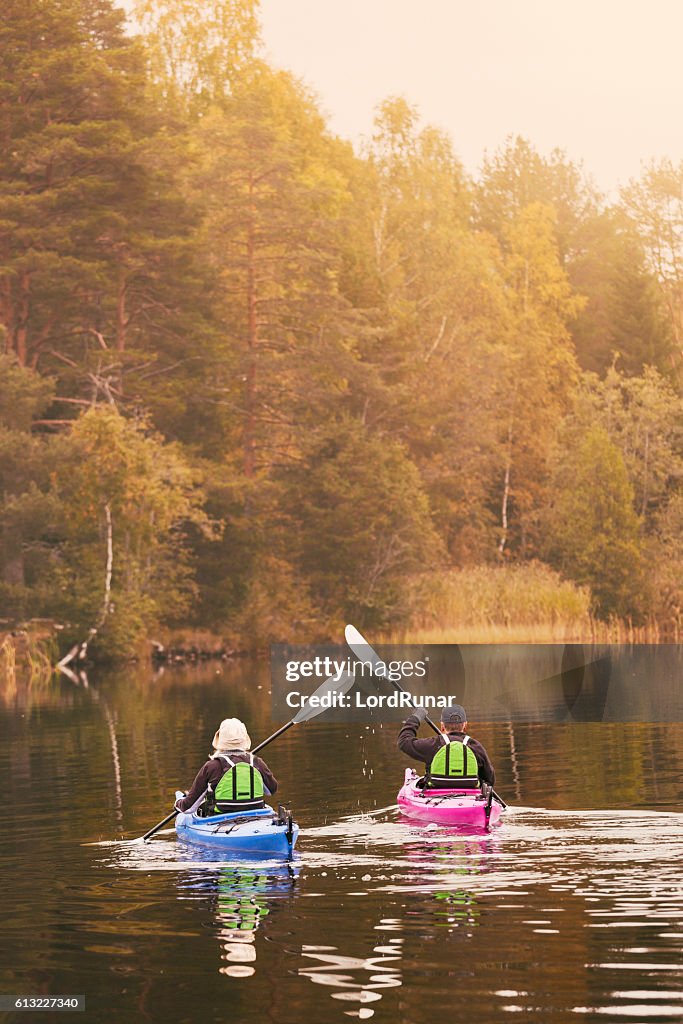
<point x="455" y="713"/>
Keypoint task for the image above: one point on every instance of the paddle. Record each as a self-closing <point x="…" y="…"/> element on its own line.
<point x="169" y="817"/>
<point x="487" y="809"/>
<point x="362" y="649"/>
<point x="310" y="710"/>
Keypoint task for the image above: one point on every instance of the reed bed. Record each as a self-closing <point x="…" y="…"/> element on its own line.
<point x="528" y="603"/>
<point x="26" y="659"/>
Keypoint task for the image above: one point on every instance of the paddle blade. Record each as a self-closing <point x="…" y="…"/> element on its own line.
<point x="367" y="656"/>
<point x="325" y="697"/>
<point x="361" y="648"/>
<point x="364" y="652"/>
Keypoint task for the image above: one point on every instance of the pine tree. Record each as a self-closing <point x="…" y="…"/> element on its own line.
<point x="516" y="176"/>
<point x="96" y="269"/>
<point x="624" y="315"/>
<point x="360" y="525"/>
<point x="27" y="508"/>
<point x="272" y="200"/>
<point x="65" y="151"/>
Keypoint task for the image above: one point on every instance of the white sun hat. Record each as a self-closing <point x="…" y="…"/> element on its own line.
<point x="232" y="735"/>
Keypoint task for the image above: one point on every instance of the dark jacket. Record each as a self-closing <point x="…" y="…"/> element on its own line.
<point x="214" y="770"/>
<point x="424" y="750"/>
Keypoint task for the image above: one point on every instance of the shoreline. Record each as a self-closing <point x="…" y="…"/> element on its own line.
<point x="31" y="648"/>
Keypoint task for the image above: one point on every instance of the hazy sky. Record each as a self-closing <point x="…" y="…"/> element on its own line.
<point x="601" y="79"/>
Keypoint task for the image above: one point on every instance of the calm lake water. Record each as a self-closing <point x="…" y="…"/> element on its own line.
<point x="571" y="909"/>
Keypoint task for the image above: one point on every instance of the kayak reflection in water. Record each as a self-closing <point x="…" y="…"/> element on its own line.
<point x="241" y="908"/>
<point x="242" y="898"/>
<point x="453" y="760"/>
<point x="232" y="779"/>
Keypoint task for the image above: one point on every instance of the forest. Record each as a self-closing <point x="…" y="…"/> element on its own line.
<point x="258" y="382"/>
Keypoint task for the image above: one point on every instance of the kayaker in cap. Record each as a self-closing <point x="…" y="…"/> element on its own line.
<point x="453" y="760"/>
<point x="233" y="778"/>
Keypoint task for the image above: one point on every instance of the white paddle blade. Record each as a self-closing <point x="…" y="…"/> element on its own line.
<point x="325" y="697"/>
<point x="361" y="648"/>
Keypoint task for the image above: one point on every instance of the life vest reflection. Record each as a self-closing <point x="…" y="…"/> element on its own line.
<point x="242" y="902"/>
<point x="457" y="906"/>
<point x="453" y="857"/>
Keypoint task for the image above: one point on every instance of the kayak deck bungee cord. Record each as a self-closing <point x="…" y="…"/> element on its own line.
<point x="256" y="832"/>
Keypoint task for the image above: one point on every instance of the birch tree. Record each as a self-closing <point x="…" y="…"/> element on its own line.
<point x="127" y="500"/>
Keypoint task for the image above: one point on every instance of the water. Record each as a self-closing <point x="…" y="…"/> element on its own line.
<point x="571" y="909"/>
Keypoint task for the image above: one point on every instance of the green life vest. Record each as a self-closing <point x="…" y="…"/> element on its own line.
<point x="454" y="766"/>
<point x="240" y="788"/>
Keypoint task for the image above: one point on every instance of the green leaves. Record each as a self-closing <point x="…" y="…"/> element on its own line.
<point x="198" y="47"/>
<point x="364" y="366"/>
<point x="594" y="529"/>
<point x="362" y="524"/>
<point x="153" y="498"/>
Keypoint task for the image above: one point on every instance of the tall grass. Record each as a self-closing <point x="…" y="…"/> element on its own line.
<point x="8" y="658"/>
<point x="26" y="658"/>
<point x="526" y="603"/>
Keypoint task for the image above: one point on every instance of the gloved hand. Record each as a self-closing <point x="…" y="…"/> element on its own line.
<point x="419" y="713"/>
<point x="178" y="796"/>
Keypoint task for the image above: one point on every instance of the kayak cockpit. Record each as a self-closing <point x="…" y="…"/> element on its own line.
<point x="260" y="831"/>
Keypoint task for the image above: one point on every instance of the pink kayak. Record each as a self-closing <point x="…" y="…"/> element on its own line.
<point x="445" y="806"/>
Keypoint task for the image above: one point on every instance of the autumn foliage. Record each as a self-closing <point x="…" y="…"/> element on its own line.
<point x="309" y="382"/>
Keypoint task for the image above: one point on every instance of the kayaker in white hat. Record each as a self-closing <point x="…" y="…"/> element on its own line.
<point x="453" y="760"/>
<point x="232" y="778"/>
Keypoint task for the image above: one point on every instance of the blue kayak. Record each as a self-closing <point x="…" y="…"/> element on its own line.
<point x="260" y="832"/>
